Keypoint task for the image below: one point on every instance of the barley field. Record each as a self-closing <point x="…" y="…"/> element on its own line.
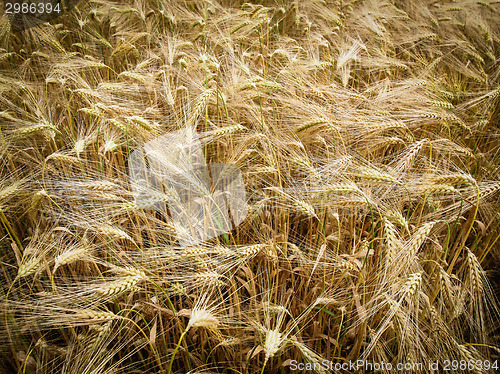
<point x="365" y="134"/>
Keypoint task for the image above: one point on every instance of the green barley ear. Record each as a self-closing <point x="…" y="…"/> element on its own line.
<point x="29" y="267"/>
<point x="8" y="191"/>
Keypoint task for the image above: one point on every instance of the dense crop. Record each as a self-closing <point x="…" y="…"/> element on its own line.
<point x="367" y="134"/>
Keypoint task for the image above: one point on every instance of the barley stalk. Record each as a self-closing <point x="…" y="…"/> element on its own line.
<point x="119" y="286"/>
<point x="210" y="278"/>
<point x="29" y="267"/>
<point x="273" y="342"/>
<point x="475" y="272"/>
<point x="7" y="192"/>
<point x="391" y="239"/>
<point x="412" y="285"/>
<point x="69" y="257"/>
<point x="375" y="175"/>
<point x="419" y="237"/>
<point x="96" y="315"/>
<point x="305" y="208"/>
<point x="114" y="232"/>
<point x="453" y="179"/>
<point x="202" y="318"/>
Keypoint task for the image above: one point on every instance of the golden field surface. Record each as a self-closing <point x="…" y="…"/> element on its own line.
<point x="367" y="136"/>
